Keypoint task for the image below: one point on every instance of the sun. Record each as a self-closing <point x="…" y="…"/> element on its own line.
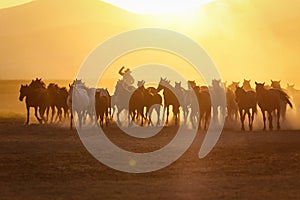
<point x="157" y="6"/>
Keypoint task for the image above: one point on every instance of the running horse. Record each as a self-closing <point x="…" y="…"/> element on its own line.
<point x="246" y="101"/>
<point x="170" y="99"/>
<point x="36" y="97"/>
<point x="269" y="100"/>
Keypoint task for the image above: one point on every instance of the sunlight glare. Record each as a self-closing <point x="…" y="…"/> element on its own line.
<point x="157" y="6"/>
<point x="12" y="3"/>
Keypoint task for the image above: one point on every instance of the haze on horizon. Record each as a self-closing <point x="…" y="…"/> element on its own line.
<point x="257" y="40"/>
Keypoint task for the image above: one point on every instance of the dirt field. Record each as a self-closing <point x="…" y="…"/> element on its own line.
<point x="50" y="162"/>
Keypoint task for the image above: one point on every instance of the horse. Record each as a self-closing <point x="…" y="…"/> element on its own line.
<point x="154" y="102"/>
<point x="246" y="101"/>
<point x="276" y="85"/>
<point x="231" y="105"/>
<point x="269" y="100"/>
<point x="218" y="93"/>
<point x="169" y="99"/>
<point x="36" y="97"/>
<point x="200" y="104"/>
<point x="294" y="94"/>
<point x="181" y="93"/>
<point x="120" y="98"/>
<point x="137" y="102"/>
<point x="58" y="100"/>
<point x="102" y="102"/>
<point x="78" y="101"/>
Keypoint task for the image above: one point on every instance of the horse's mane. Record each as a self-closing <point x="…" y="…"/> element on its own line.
<point x="37" y="83"/>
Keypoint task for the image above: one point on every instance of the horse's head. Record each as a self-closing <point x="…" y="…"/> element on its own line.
<point x="238" y="92"/>
<point x="233" y="85"/>
<point x="178" y="85"/>
<point x="163" y="83"/>
<point x="216" y="83"/>
<point x="276" y="84"/>
<point x="141" y="83"/>
<point x="191" y="84"/>
<point x="23" y="92"/>
<point x="290" y="87"/>
<point x="246" y="83"/>
<point x="259" y="86"/>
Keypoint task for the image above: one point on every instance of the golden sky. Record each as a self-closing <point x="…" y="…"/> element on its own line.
<point x="253" y="39"/>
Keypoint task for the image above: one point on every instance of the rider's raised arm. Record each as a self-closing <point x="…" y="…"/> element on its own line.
<point x="121" y="71"/>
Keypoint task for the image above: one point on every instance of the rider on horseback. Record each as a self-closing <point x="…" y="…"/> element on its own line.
<point x="127" y="80"/>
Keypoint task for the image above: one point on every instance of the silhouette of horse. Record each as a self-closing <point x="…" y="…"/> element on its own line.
<point x="232" y="107"/>
<point x="154" y="102"/>
<point x="137" y="102"/>
<point x="247" y="86"/>
<point x="169" y="99"/>
<point x="102" y="101"/>
<point x="269" y="100"/>
<point x="294" y="94"/>
<point x="201" y="105"/>
<point x="120" y="98"/>
<point x="283" y="106"/>
<point x="218" y="93"/>
<point x="36" y="97"/>
<point x="181" y="94"/>
<point x="78" y="101"/>
<point x="246" y="101"/>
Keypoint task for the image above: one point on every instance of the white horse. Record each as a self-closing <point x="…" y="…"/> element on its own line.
<point x="79" y="101"/>
<point x="120" y="99"/>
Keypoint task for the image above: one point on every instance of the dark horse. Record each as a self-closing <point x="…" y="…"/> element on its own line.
<point x="102" y="103"/>
<point x="201" y="106"/>
<point x="169" y="99"/>
<point x="269" y="100"/>
<point x="37" y="97"/>
<point x="144" y="101"/>
<point x="58" y="100"/>
<point x="246" y="101"/>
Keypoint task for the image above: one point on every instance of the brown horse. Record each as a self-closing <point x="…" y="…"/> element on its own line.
<point x="154" y="102"/>
<point x="231" y="105"/>
<point x="170" y="99"/>
<point x="269" y="100"/>
<point x="246" y="101"/>
<point x="37" y="97"/>
<point x="137" y="102"/>
<point x="102" y="102"/>
<point x="201" y="104"/>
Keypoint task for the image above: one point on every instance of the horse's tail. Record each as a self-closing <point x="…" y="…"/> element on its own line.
<point x="285" y="97"/>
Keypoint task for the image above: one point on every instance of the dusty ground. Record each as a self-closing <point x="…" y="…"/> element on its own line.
<point x="50" y="162"/>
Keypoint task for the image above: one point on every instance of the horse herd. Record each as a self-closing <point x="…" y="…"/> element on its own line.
<point x="198" y="104"/>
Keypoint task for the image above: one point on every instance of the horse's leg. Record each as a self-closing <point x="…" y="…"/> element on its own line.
<point x="71" y="120"/>
<point x="242" y="117"/>
<point x="167" y="116"/>
<point x="53" y="113"/>
<point x="278" y="119"/>
<point x="36" y="115"/>
<point x="206" y="120"/>
<point x="249" y="119"/>
<point x="264" y="119"/>
<point x="252" y="119"/>
<point x="270" y="120"/>
<point x="164" y="111"/>
<point x="158" y="114"/>
<point x="200" y="119"/>
<point x="28" y="111"/>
